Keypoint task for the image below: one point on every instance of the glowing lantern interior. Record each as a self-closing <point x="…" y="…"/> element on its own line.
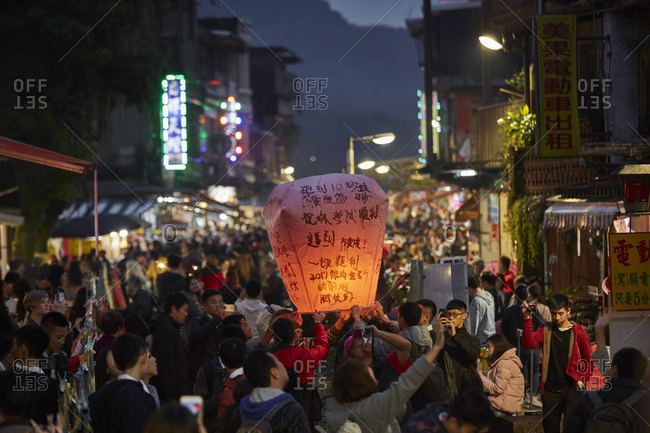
<point x="327" y="234"/>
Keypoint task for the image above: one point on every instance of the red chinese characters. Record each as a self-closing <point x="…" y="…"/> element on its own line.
<point x="559" y="131"/>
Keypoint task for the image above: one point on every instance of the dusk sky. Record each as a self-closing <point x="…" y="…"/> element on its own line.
<point x="391" y="13"/>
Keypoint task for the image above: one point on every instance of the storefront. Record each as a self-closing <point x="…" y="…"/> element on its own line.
<point x="575" y="247"/>
<point x="8" y="224"/>
<point x="119" y="220"/>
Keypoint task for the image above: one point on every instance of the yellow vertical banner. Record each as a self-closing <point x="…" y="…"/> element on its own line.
<point x="629" y="255"/>
<point x="559" y="124"/>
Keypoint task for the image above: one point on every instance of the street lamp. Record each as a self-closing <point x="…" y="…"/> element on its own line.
<point x="380" y="139"/>
<point x="490" y="42"/>
<point x="288" y="172"/>
<point x="382" y="169"/>
<point x="366" y="165"/>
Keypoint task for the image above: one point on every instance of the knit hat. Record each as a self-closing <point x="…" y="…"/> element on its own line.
<point x="347" y="345"/>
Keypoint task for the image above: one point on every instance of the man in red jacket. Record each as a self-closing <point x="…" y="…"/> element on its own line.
<point x="301" y="362"/>
<point x="567" y="364"/>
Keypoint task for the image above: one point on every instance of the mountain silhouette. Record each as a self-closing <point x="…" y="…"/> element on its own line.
<point x="372" y="78"/>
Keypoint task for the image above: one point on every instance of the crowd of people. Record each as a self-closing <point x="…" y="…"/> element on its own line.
<point x="209" y="317"/>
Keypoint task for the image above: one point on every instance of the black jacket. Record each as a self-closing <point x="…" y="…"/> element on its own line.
<point x="204" y="342"/>
<point x="57" y="366"/>
<point x="141" y="303"/>
<point x="167" y="347"/>
<point x="38" y="394"/>
<point x="458" y="361"/>
<point x="513" y="319"/>
<point x="619" y="391"/>
<point x="169" y="282"/>
<point x="121" y="406"/>
<point x="209" y="385"/>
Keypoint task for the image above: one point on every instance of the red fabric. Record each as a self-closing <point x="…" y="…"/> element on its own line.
<point x="73" y="364"/>
<point x="580" y="367"/>
<point x="117" y="293"/>
<point x="304" y="361"/>
<point x="509" y="279"/>
<point x="394" y="363"/>
<point x="597" y="380"/>
<point x="212" y="281"/>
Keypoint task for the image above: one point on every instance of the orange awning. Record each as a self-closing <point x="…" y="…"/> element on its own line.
<point x="26" y="152"/>
<point x="468" y="210"/>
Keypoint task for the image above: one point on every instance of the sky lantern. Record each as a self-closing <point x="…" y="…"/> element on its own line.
<point x="327" y="235"/>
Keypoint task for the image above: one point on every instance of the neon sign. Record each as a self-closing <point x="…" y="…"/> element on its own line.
<point x="230" y="121"/>
<point x="435" y="124"/>
<point x="174" y="122"/>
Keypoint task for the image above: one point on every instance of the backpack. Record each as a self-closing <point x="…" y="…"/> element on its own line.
<point x="612" y="417"/>
<point x="249" y="425"/>
<point x="227" y="398"/>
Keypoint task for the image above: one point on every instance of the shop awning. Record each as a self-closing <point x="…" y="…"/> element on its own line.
<point x="17" y="150"/>
<point x="107" y="206"/>
<point x="26" y="152"/>
<point x="583" y="215"/>
<point x="113" y="215"/>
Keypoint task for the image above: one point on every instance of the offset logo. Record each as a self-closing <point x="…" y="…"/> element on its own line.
<point x="449" y="233"/>
<point x="592" y="94"/>
<point x="310" y="94"/>
<point x="319" y="382"/>
<point x="29" y="93"/>
<point x="24" y="382"/>
<point x="596" y="382"/>
<point x="169" y="232"/>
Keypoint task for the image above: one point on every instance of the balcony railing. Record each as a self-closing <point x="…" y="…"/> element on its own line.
<point x="486" y="139"/>
<point x="550" y="175"/>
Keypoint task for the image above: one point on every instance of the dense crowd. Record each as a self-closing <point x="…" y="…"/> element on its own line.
<point x="209" y="316"/>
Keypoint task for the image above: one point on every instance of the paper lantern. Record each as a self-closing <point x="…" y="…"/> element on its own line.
<point x="327" y="234"/>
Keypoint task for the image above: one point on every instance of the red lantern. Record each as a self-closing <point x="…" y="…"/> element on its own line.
<point x="327" y="235"/>
<point x="636" y="192"/>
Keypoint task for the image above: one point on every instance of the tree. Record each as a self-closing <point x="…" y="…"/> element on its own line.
<point x="80" y="54"/>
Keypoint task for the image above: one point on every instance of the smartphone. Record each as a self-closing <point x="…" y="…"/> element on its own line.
<point x="230" y="309"/>
<point x="11" y="304"/>
<point x="443" y="315"/>
<point x="195" y="405"/>
<point x="367" y="335"/>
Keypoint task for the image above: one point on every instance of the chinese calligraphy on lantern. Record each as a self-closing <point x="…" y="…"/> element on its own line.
<point x="630" y="270"/>
<point x="559" y="128"/>
<point x="327" y="236"/>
